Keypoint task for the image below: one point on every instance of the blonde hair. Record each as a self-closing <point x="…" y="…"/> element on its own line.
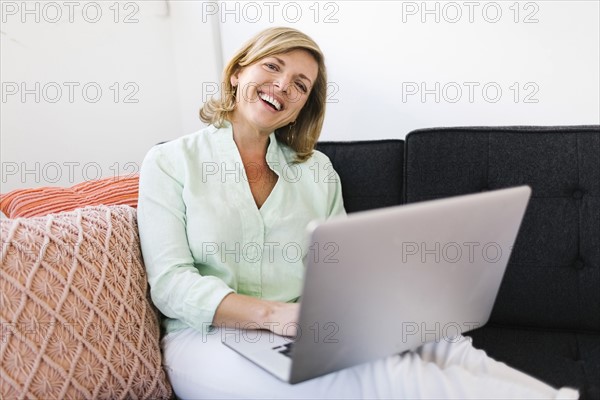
<point x="302" y="135"/>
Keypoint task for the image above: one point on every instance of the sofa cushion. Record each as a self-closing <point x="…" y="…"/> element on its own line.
<point x="553" y="276"/>
<point x="558" y="358"/>
<point x="74" y="309"/>
<point x="370" y="171"/>
<point x="35" y="202"/>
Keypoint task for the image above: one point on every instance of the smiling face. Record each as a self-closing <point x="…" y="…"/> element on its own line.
<point x="272" y="91"/>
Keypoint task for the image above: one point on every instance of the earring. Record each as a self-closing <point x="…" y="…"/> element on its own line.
<point x="291" y="133"/>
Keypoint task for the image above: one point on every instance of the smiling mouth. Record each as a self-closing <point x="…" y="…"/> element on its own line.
<point x="271" y="101"/>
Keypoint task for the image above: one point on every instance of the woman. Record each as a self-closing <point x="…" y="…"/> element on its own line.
<point x="218" y="213"/>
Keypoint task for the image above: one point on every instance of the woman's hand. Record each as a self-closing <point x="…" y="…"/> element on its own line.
<point x="284" y="318"/>
<point x="246" y="312"/>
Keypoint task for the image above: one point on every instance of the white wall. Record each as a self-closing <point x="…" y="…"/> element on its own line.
<point x="376" y="53"/>
<point x="380" y="53"/>
<point x="156" y="53"/>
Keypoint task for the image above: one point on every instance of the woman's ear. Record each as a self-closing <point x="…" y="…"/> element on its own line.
<point x="234" y="78"/>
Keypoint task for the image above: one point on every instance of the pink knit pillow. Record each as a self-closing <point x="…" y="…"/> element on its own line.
<point x="74" y="310"/>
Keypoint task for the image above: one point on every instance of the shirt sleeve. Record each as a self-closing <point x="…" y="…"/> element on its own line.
<point x="336" y="199"/>
<point x="176" y="286"/>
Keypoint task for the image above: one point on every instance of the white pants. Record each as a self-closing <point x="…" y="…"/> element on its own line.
<point x="200" y="366"/>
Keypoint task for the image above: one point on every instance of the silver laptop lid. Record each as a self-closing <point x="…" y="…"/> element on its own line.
<point x="388" y="280"/>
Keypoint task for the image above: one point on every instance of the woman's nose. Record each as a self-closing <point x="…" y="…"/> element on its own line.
<point x="284" y="83"/>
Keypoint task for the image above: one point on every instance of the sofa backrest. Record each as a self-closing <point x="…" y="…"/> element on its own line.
<point x="370" y="171"/>
<point x="553" y="277"/>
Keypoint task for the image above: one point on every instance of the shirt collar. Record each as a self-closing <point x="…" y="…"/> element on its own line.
<point x="275" y="155"/>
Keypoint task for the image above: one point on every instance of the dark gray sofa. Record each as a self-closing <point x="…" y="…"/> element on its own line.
<point x="546" y="320"/>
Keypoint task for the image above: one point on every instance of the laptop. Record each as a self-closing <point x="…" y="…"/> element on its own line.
<point x="386" y="281"/>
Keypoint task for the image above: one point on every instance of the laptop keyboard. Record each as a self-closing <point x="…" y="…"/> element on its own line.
<point x="285" y="349"/>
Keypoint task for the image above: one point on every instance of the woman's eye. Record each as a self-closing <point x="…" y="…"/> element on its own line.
<point x="301" y="86"/>
<point x="271" y="66"/>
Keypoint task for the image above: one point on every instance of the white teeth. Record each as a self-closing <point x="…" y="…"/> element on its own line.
<point x="271" y="100"/>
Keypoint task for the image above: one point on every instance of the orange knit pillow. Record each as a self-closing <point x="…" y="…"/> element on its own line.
<point x="120" y="190"/>
<point x="75" y="312"/>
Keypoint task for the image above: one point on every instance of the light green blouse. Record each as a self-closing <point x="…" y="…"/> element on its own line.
<point x="202" y="235"/>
